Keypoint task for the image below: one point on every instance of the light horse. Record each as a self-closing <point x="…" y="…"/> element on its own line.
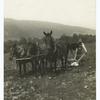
<point x="23" y="55"/>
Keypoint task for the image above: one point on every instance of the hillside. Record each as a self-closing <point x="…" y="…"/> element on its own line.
<point x="14" y="29"/>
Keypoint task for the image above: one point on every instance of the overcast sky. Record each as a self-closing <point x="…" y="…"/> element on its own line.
<point x="68" y="12"/>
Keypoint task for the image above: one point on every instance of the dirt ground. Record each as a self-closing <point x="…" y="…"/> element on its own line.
<point x="77" y="83"/>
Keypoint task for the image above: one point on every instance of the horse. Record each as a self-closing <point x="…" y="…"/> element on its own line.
<point x="24" y="53"/>
<point x="54" y="51"/>
<point x="49" y="48"/>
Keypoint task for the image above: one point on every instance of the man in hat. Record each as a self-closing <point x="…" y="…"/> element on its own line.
<point x="80" y="53"/>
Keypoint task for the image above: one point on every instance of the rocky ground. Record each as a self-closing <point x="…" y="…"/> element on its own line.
<point x="77" y="83"/>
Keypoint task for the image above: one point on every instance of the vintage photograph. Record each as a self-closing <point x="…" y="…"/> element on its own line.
<point x="49" y="50"/>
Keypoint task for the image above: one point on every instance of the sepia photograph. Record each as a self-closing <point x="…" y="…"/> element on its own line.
<point x="49" y="49"/>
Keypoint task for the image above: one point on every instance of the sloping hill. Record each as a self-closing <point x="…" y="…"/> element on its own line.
<point x="14" y="29"/>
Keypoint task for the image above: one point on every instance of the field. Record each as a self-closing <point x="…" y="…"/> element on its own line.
<point x="77" y="83"/>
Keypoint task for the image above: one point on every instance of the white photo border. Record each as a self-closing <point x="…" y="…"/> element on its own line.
<point x="2" y="49"/>
<point x="97" y="49"/>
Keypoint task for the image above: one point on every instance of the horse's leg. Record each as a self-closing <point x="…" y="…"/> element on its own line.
<point x="62" y="62"/>
<point x="24" y="65"/>
<point x="40" y="66"/>
<point x="20" y="67"/>
<point x="67" y="53"/>
<point x="55" y="64"/>
<point x="37" y="65"/>
<point x="32" y="65"/>
<point x="65" y="61"/>
<point x="50" y="63"/>
<point x="17" y="65"/>
<point x="46" y="65"/>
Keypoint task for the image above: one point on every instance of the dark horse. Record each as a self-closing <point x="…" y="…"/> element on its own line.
<point x="54" y="51"/>
<point x="24" y="54"/>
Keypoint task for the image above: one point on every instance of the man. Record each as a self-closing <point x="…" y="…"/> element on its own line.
<point x="79" y="52"/>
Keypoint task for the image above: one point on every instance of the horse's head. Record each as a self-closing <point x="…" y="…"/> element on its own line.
<point x="48" y="39"/>
<point x="17" y="51"/>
